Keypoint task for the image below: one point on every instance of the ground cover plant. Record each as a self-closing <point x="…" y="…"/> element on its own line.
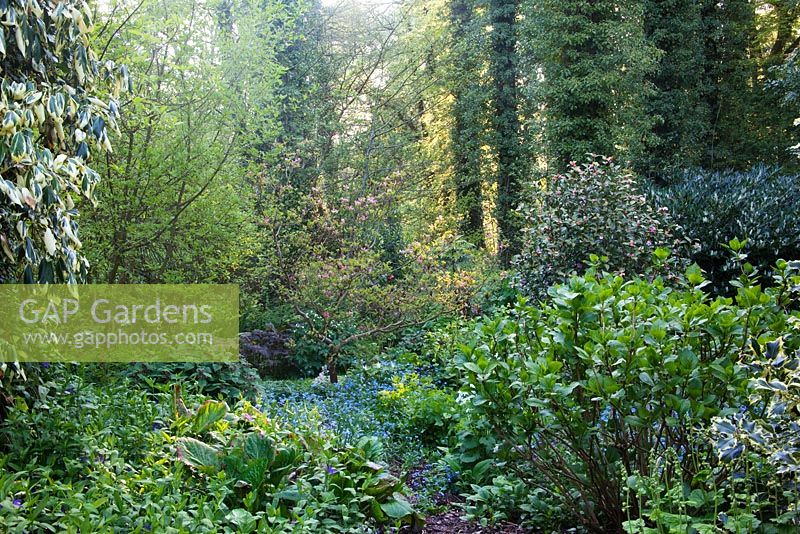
<point x="213" y="468"/>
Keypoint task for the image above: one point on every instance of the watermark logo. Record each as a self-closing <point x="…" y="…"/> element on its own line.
<point x="119" y="323"/>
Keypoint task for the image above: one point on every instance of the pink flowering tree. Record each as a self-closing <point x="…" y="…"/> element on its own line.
<point x="345" y="276"/>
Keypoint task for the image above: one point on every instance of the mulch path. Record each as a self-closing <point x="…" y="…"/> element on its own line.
<point x="450" y="522"/>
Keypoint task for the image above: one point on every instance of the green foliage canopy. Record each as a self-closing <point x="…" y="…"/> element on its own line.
<point x="54" y="118"/>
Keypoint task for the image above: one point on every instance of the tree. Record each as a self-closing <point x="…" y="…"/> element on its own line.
<point x="747" y="40"/>
<point x="509" y="159"/>
<point x="55" y="116"/>
<point x="331" y="271"/>
<point x="729" y="30"/>
<point x="592" y="57"/>
<point x="357" y="183"/>
<point x="469" y="117"/>
<point x="683" y="118"/>
<point x="305" y="113"/>
<point x="178" y="174"/>
<point x="711" y="90"/>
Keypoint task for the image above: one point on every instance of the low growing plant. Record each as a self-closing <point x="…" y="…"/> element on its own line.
<point x="216" y="379"/>
<point x="422" y="409"/>
<point x="716" y="499"/>
<point x="110" y="457"/>
<point x="281" y="478"/>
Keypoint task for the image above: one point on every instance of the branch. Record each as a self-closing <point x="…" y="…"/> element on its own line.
<point x="122" y="25"/>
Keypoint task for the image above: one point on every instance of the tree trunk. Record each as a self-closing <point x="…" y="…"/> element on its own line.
<point x="464" y="135"/>
<point x="503" y="66"/>
<point x="333" y="374"/>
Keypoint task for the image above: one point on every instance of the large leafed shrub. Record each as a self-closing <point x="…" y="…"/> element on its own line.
<point x="593" y="208"/>
<point x="581" y="391"/>
<point x="53" y="119"/>
<point x="774" y="432"/>
<point x="761" y="205"/>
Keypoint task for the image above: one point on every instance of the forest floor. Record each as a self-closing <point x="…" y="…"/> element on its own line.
<point x="353" y="409"/>
<point x="450" y="519"/>
<point x="451" y="522"/>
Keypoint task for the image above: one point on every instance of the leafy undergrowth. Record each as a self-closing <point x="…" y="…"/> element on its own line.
<point x="398" y="404"/>
<point x="539" y="416"/>
<point x="109" y="456"/>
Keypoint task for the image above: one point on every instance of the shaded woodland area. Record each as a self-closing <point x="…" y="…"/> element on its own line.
<point x="504" y="265"/>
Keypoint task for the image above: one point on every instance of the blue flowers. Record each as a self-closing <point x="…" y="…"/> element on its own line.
<point x="348" y="410"/>
<point x="331" y="470"/>
<point x="17" y="502"/>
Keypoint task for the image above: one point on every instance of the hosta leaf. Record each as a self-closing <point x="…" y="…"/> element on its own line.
<point x="257" y="446"/>
<point x="248" y="473"/>
<point x="284" y="459"/>
<point x="398" y="507"/>
<point x="384" y="484"/>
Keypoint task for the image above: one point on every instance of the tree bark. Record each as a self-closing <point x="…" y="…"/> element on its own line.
<point x="465" y="149"/>
<point x="503" y="68"/>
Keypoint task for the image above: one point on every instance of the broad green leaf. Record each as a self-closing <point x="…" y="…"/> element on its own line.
<point x="197" y="454"/>
<point x="398" y="507"/>
<point x="209" y="413"/>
